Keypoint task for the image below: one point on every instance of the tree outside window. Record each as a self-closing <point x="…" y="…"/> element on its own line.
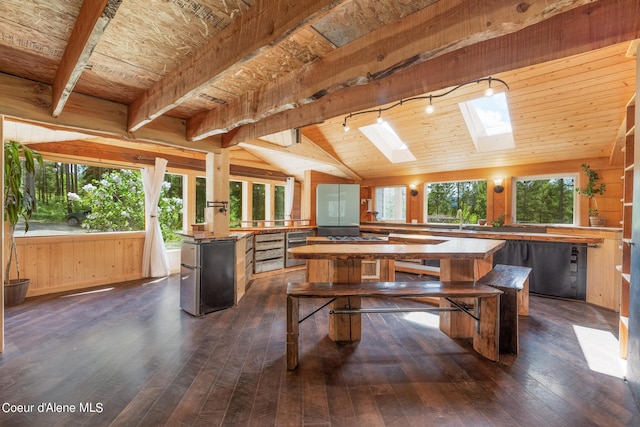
<point x="279" y="204"/>
<point x="90" y="198"/>
<point x="258" y="211"/>
<point x="235" y="204"/>
<point x="545" y="200"/>
<point x="444" y="199"/>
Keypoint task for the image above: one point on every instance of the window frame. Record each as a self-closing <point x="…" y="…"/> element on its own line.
<point x="425" y="191"/>
<point x="514" y="190"/>
<point x="404" y="204"/>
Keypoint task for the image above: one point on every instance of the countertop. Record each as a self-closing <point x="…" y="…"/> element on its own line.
<point x="479" y="232"/>
<point x="207" y="236"/>
<point x="458" y="248"/>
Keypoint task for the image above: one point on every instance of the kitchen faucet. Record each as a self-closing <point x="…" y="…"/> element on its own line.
<point x="459" y="217"/>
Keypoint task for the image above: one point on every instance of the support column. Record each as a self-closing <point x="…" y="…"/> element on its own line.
<point x="217" y="175"/>
<point x="188" y="201"/>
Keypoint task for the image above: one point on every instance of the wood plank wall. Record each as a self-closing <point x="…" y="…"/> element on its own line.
<point x="69" y="262"/>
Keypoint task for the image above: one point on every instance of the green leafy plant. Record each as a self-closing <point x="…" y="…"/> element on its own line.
<point x="499" y="222"/>
<point x="18" y="200"/>
<point x="592" y="188"/>
<point x="117" y="204"/>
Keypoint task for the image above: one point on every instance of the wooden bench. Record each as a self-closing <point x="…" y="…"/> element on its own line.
<point x="415" y="267"/>
<point x="485" y="312"/>
<point x="514" y="282"/>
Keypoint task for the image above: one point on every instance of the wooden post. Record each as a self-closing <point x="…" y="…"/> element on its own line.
<point x="188" y="201"/>
<point x="293" y="313"/>
<point x="345" y="327"/>
<point x="217" y="174"/>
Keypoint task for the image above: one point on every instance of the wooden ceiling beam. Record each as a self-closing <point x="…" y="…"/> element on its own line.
<point x="269" y="21"/>
<point x="91" y="23"/>
<point x="116" y="154"/>
<point x="306" y="150"/>
<point x="579" y="30"/>
<point x="31" y="101"/>
<point x="430" y="32"/>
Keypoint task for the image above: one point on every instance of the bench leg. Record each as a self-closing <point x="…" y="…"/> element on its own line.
<point x="486" y="336"/>
<point x="293" y="314"/>
<point x="523" y="299"/>
<point x="509" y="321"/>
<point x="345" y="327"/>
<point x="456" y="324"/>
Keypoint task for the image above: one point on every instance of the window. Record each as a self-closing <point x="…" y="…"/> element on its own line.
<point x="78" y="198"/>
<point x="445" y="199"/>
<point x="278" y="213"/>
<point x="235" y="204"/>
<point x="201" y="199"/>
<point x="388" y="142"/>
<point x="545" y="200"/>
<point x="391" y="203"/>
<point x="259" y="205"/>
<point x="488" y="122"/>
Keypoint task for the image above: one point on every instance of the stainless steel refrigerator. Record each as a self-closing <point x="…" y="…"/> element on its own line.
<point x="207" y="281"/>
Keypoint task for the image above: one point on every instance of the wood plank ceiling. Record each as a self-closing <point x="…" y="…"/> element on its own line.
<point x="211" y="74"/>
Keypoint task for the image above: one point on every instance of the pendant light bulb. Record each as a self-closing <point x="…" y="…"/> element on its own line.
<point x="379" y="119"/>
<point x="346" y="128"/>
<point x="489" y="91"/>
<point x="430" y="108"/>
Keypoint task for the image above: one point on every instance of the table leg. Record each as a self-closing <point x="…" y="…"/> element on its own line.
<point x="457" y="324"/>
<point x="345" y="327"/>
<point x="293" y="313"/>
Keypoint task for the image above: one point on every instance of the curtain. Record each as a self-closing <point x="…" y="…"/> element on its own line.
<point x="288" y="197"/>
<point x="154" y="257"/>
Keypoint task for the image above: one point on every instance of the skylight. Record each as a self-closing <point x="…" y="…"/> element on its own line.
<point x="388" y="142"/>
<point x="488" y="121"/>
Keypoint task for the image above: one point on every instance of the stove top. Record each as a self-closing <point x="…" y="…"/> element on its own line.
<point x="354" y="238"/>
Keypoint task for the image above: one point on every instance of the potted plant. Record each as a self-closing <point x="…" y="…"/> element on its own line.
<point x="590" y="191"/>
<point x="18" y="202"/>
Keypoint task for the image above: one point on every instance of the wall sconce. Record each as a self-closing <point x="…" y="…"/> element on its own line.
<point x="498" y="188"/>
<point x="414" y="190"/>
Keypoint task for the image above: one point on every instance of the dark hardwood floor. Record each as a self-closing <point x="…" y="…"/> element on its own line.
<point x="137" y="359"/>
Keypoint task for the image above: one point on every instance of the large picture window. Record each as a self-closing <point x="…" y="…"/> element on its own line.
<point x="545" y="200"/>
<point x="78" y="198"/>
<point x="446" y="199"/>
<point x="391" y="203"/>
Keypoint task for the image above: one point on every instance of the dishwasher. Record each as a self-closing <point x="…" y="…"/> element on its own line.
<point x="207" y="279"/>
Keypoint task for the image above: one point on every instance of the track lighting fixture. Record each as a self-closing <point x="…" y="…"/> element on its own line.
<point x="430" y="108"/>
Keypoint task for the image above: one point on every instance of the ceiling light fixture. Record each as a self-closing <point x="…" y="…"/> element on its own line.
<point x="379" y="119"/>
<point x="489" y="91"/>
<point x="430" y="108"/>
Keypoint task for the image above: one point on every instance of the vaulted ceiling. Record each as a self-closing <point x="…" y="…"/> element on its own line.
<point x="207" y="75"/>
